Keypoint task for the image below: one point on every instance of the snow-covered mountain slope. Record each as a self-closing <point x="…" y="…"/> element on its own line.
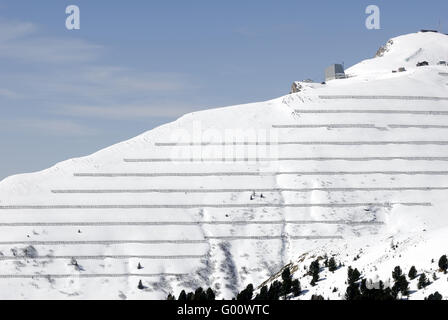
<point x="405" y="51"/>
<point x="375" y="257"/>
<point x="226" y="197"/>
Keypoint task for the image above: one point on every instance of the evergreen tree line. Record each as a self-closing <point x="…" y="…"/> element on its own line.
<point x="275" y="291"/>
<point x="359" y="290"/>
<point x="198" y="295"/>
<point x="356" y="289"/>
<point x="280" y="289"/>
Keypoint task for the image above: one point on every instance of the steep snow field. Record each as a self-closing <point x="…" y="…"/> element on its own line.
<point x="227" y="197"/>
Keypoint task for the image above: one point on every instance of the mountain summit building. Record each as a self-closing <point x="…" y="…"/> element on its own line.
<point x="335" y="71"/>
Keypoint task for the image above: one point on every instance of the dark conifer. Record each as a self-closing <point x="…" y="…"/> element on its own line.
<point x="352" y="275"/>
<point x="296" y="288"/>
<point x="352" y="292"/>
<point x="401" y="285"/>
<point x="200" y="295"/>
<point x="170" y="297"/>
<point x="210" y="294"/>
<point x="314" y="272"/>
<point x="435" y="296"/>
<point x="315" y="279"/>
<point x="274" y="290"/>
<point x="182" y="296"/>
<point x="332" y="266"/>
<point x="443" y="263"/>
<point x="314" y="267"/>
<point x="287" y="282"/>
<point x="423" y="282"/>
<point x="263" y="295"/>
<point x="397" y="273"/>
<point x="412" y="273"/>
<point x="246" y="294"/>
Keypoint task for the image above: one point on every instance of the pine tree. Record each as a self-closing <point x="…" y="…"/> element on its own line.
<point x="274" y="290"/>
<point x="435" y="296"/>
<point x="314" y="267"/>
<point x="443" y="263"/>
<point x="170" y="297"/>
<point x="246" y="294"/>
<point x="210" y="294"/>
<point x="287" y="282"/>
<point x="314" y="271"/>
<point x="200" y="295"/>
<point x="286" y="274"/>
<point x="423" y="282"/>
<point x="263" y="295"/>
<point x="296" y="288"/>
<point x="182" y="296"/>
<point x="396" y="274"/>
<point x="139" y="267"/>
<point x="369" y="294"/>
<point x="352" y="292"/>
<point x="140" y="285"/>
<point x="412" y="273"/>
<point x="401" y="285"/>
<point x="332" y="266"/>
<point x="353" y="275"/>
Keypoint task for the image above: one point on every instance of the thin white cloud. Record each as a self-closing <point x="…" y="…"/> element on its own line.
<point x="48" y="50"/>
<point x="68" y="78"/>
<point x="127" y="111"/>
<point x="22" y="41"/>
<point x="11" y="30"/>
<point x="58" y="127"/>
<point x="6" y="93"/>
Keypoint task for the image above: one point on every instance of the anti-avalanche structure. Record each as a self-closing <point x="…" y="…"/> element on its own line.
<point x="226" y="197"/>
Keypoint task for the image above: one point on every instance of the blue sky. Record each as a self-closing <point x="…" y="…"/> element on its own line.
<point x="137" y="64"/>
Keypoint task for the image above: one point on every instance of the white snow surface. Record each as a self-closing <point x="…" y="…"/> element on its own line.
<point x="352" y="166"/>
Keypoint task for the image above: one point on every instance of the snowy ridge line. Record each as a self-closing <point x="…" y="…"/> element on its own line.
<point x="223" y="174"/>
<point x="102" y="242"/>
<point x="103" y="257"/>
<point x="193" y="206"/>
<point x="248" y="190"/>
<point x="334" y="126"/>
<point x="283" y="143"/>
<point x="418" y="126"/>
<point x="361" y="126"/>
<point x="362" y="97"/>
<point x="274" y="237"/>
<point x="366" y="111"/>
<point x="86" y="275"/>
<point x="143" y="160"/>
<point x="185" y="223"/>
